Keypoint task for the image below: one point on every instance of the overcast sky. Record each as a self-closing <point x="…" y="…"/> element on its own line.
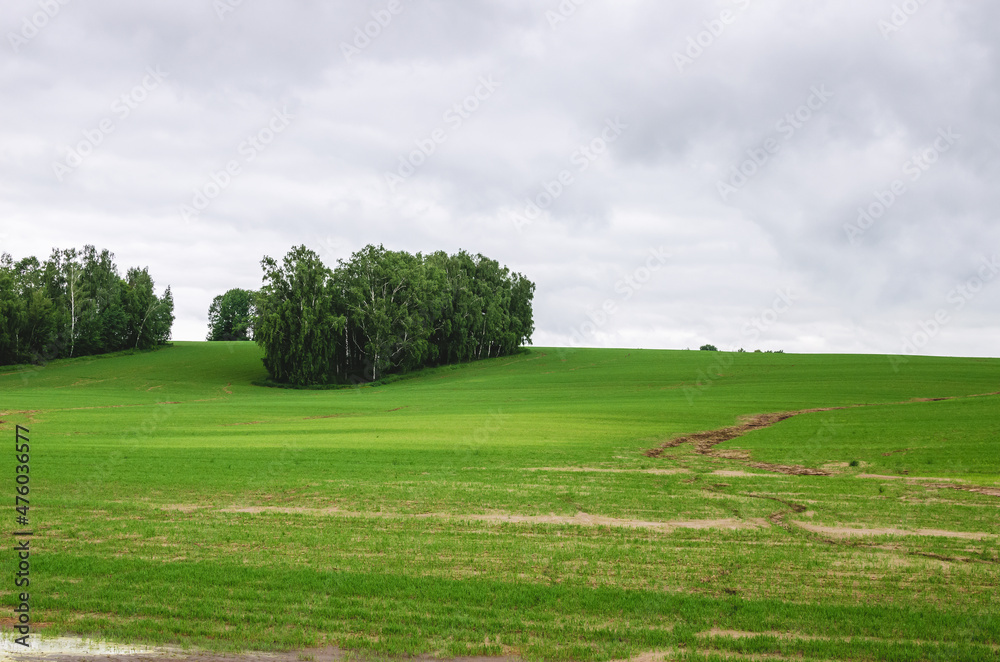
<point x="806" y="175"/>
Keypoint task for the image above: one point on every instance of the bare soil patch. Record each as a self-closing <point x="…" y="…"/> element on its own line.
<point x="737" y="473"/>
<point x="742" y="634"/>
<point x="939" y="483"/>
<point x="656" y="472"/>
<point x="584" y="519"/>
<point x="579" y="519"/>
<point x="844" y="532"/>
<point x="990" y="491"/>
<point x="705" y="442"/>
<point x="790" y="469"/>
<point x="651" y="656"/>
<point x="71" y="649"/>
<point x="886" y="477"/>
<point x="936" y="482"/>
<point x="181" y="507"/>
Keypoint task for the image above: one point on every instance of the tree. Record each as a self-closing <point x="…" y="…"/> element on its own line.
<point x="162" y="319"/>
<point x="149" y="317"/>
<point x="709" y="348"/>
<point x="522" y="323"/>
<point x="36" y="335"/>
<point x="453" y="334"/>
<point x="76" y="304"/>
<point x="231" y="315"/>
<point x="12" y="313"/>
<point x="383" y="312"/>
<point x="104" y="322"/>
<point x="387" y="300"/>
<point x="487" y="309"/>
<point x="296" y="325"/>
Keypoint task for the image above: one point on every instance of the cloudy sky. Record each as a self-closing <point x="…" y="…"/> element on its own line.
<point x="806" y="175"/>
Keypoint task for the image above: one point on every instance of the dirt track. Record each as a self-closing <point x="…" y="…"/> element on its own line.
<point x="844" y="532"/>
<point x="705" y="442"/>
<point x="579" y="519"/>
<point x="75" y="650"/>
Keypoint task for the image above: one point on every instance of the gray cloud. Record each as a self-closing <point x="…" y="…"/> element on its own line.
<point x="704" y="91"/>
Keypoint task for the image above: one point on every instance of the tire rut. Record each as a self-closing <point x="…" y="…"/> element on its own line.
<point x="705" y="442"/>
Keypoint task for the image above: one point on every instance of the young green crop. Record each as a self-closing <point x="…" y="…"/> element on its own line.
<point x="507" y="507"/>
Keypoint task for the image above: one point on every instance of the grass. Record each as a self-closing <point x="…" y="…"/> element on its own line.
<point x="176" y="502"/>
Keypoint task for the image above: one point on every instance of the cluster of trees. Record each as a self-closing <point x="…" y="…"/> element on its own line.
<point x="231" y="315"/>
<point x="385" y="311"/>
<point x="75" y="304"/>
<point x="713" y="348"/>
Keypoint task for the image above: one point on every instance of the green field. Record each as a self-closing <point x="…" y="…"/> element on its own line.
<point x="508" y="507"/>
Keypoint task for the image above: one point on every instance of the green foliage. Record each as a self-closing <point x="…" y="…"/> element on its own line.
<point x="709" y="348"/>
<point x="296" y="324"/>
<point x="383" y="312"/>
<point x="387" y="297"/>
<point x="76" y="304"/>
<point x="231" y="316"/>
<point x="149" y="317"/>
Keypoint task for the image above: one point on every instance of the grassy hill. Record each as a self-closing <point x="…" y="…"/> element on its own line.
<point x="548" y="505"/>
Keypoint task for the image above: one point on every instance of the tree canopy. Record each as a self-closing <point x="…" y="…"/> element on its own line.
<point x="76" y="304"/>
<point x="383" y="311"/>
<point x="231" y="316"/>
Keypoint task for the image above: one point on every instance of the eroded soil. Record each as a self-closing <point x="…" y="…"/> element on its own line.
<point x="71" y="649"/>
<point x="579" y="519"/>
<point x="705" y="442"/>
<point x="844" y="532"/>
